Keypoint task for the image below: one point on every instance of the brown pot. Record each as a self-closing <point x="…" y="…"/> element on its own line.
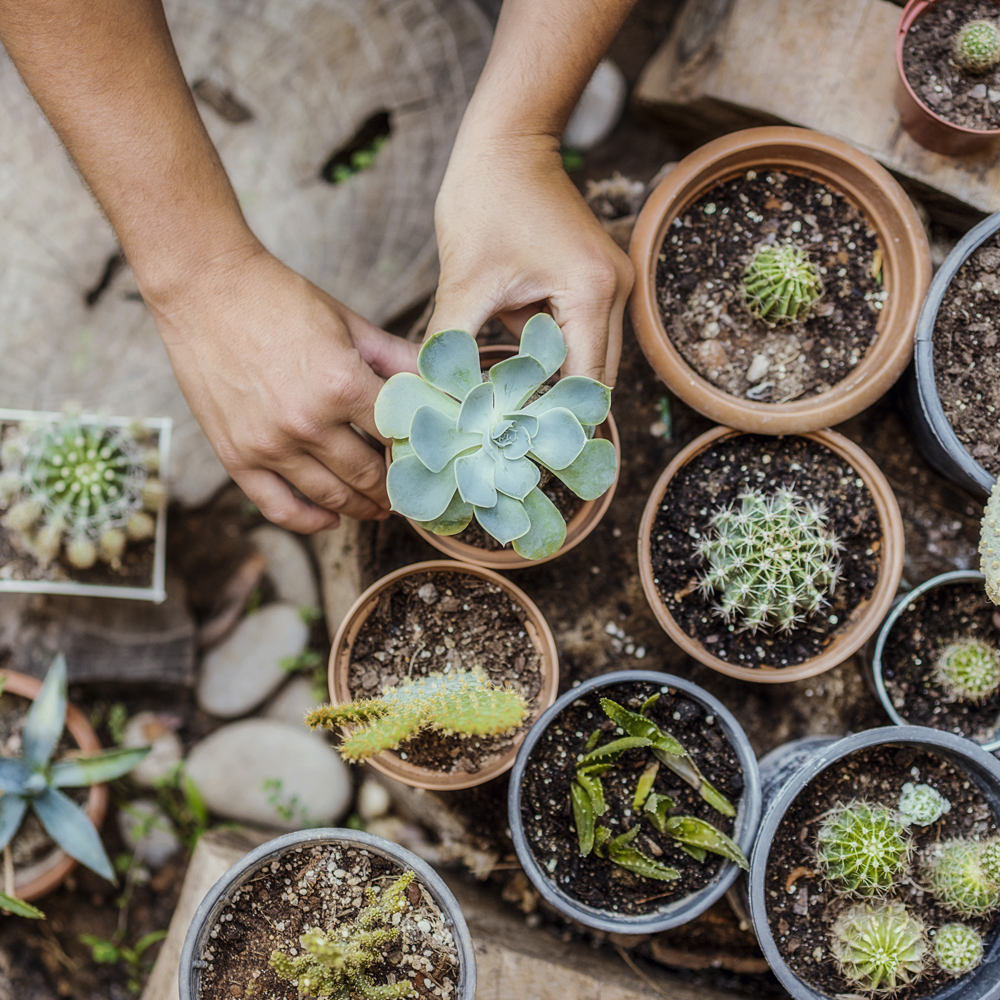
<point x="906" y="269"/>
<point x="537" y="628"/>
<point x="924" y="125"/>
<point x="865" y="619"/>
<point x="581" y="524"/>
<point x="43" y="876"/>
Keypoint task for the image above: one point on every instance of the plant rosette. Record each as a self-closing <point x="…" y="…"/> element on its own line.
<point x="852" y="829"/>
<point x="634" y="833"/>
<point x="740" y="538"/>
<point x="828" y="319"/>
<point x="368" y="918"/>
<point x="443" y="624"/>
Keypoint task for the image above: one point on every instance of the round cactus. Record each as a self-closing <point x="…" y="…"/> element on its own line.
<point x="922" y="804"/>
<point x="958" y="949"/>
<point x="968" y="670"/>
<point x="781" y="284"/>
<point x="976" y="46"/>
<point x="863" y="847"/>
<point x="879" y="947"/>
<point x="962" y="876"/>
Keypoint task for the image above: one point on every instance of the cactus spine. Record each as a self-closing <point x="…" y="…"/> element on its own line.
<point x="958" y="949"/>
<point x="879" y="947"/>
<point x="976" y="46"/>
<point x="968" y="670"/>
<point x="964" y="876"/>
<point x="781" y="284"/>
<point x="864" y="847"/>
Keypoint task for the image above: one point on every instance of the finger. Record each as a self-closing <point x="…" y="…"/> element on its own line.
<point x="514" y="319"/>
<point x="329" y="491"/>
<point x="275" y="499"/>
<point x="614" y="355"/>
<point x="345" y="454"/>
<point x="384" y="353"/>
<point x="456" y="308"/>
<point x="585" y="326"/>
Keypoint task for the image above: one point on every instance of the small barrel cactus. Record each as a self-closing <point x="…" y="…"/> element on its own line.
<point x="964" y="875"/>
<point x="958" y="949"/>
<point x="863" y="847"/>
<point x="773" y="558"/>
<point x="968" y="670"/>
<point x="781" y="284"/>
<point x="976" y="46"/>
<point x="989" y="544"/>
<point x="921" y="804"/>
<point x="879" y="947"/>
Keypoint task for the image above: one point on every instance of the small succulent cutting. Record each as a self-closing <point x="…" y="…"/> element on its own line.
<point x="863" y="847"/>
<point x="976" y="46"/>
<point x="921" y="804"/>
<point x="968" y="670"/>
<point x="989" y="544"/>
<point x="879" y="947"/>
<point x="781" y="284"/>
<point x="465" y="448"/>
<point x="964" y="875"/>
<point x="958" y="949"/>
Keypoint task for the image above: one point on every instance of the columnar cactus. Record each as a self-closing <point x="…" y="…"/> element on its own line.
<point x="921" y="804"/>
<point x="863" y="847"/>
<point x="968" y="670"/>
<point x="976" y="46"/>
<point x="964" y="875"/>
<point x="781" y="284"/>
<point x="879" y="947"/>
<point x="958" y="949"/>
<point x="989" y="544"/>
<point x="773" y="558"/>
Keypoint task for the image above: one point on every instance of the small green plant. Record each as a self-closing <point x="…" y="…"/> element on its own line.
<point x="781" y="284"/>
<point x="361" y="159"/>
<point x="964" y="875"/>
<point x="106" y="952"/>
<point x="289" y="808"/>
<point x="466" y="448"/>
<point x="311" y="663"/>
<point x="879" y="947"/>
<point x="773" y="558"/>
<point x="958" y="949"/>
<point x="336" y="962"/>
<point x="863" y="847"/>
<point x="921" y="804"/>
<point x="466" y="703"/>
<point x="989" y="544"/>
<point x="968" y="670"/>
<point x="976" y="46"/>
<point x="179" y="798"/>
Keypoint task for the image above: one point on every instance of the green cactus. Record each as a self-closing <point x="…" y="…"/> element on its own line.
<point x="465" y="703"/>
<point x="964" y="875"/>
<point x="976" y="46"/>
<point x="968" y="670"/>
<point x="781" y="284"/>
<point x="879" y="947"/>
<point x="921" y="804"/>
<point x="863" y="847"/>
<point x="989" y="544"/>
<point x="336" y="962"/>
<point x="958" y="949"/>
<point x="773" y="558"/>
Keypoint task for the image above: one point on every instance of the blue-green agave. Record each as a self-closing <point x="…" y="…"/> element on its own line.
<point x="465" y="448"/>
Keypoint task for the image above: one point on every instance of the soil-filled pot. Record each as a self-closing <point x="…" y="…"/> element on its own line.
<point x="964" y="122"/>
<point x="863" y="242"/>
<point x="474" y="545"/>
<point x="592" y="889"/>
<point x="955" y="329"/>
<point x="45" y="866"/>
<point x="712" y="473"/>
<point x="445" y="616"/>
<point x="812" y="789"/>
<point x="245" y="917"/>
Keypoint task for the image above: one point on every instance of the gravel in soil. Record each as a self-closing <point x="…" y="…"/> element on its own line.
<point x="715" y="479"/>
<point x="802" y="906"/>
<point x="699" y="286"/>
<point x="442" y="621"/>
<point x="969" y="100"/>
<point x="322" y="886"/>
<point x="547" y="814"/>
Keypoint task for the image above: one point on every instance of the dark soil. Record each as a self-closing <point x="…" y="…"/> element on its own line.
<point x="547" y="814"/>
<point x="802" y="905"/>
<point x="328" y="884"/>
<point x="700" y="292"/>
<point x="715" y="479"/>
<point x="433" y="622"/>
<point x="945" y="87"/>
<point x="966" y="359"/>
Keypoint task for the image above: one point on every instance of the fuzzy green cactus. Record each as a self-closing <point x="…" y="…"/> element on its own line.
<point x="781" y="284"/>
<point x="863" y="847"/>
<point x="976" y="46"/>
<point x="964" y="875"/>
<point x="773" y="558"/>
<point x="968" y="670"/>
<point x="466" y="448"/>
<point x="921" y="804"/>
<point x="958" y="949"/>
<point x="336" y="962"/>
<point x="989" y="544"/>
<point x="880" y="947"/>
<point x="465" y="703"/>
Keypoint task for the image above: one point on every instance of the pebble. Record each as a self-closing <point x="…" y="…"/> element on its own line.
<point x="373" y="800"/>
<point x="599" y="109"/>
<point x="993" y="95"/>
<point x="288" y="565"/>
<point x="978" y="92"/>
<point x="292" y="702"/>
<point x="147" y="832"/>
<point x="758" y="367"/>
<point x="146" y="729"/>
<point x="428" y="593"/>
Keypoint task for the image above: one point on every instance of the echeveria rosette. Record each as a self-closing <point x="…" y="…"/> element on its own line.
<point x="465" y="448"/>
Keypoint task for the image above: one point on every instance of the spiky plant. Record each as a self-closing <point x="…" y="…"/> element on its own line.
<point x="781" y="284"/>
<point x="968" y="670"/>
<point x="879" y="947"/>
<point x="465" y="448"/>
<point x="464" y="703"/>
<point x="773" y="558"/>
<point x="964" y="875"/>
<point x="958" y="949"/>
<point x="989" y="544"/>
<point x="976" y="46"/>
<point x="863" y="847"/>
<point x="921" y="804"/>
<point x="336" y="961"/>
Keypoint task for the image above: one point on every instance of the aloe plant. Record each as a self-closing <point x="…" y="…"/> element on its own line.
<point x="464" y="448"/>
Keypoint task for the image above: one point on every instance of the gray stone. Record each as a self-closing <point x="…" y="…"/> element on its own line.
<point x="288" y="565"/>
<point x="373" y="799"/>
<point x="978" y="92"/>
<point x="147" y="832"/>
<point x="599" y="109"/>
<point x="292" y="702"/>
<point x="147" y="729"/>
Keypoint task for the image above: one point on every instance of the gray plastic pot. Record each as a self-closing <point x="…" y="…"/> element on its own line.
<point x="208" y="911"/>
<point x="934" y="435"/>
<point x="675" y="912"/>
<point x="786" y="771"/>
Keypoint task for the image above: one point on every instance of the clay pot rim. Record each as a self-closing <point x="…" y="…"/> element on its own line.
<point x="97" y="801"/>
<point x="901" y="238"/>
<point x="848" y="641"/>
<point x="389" y="763"/>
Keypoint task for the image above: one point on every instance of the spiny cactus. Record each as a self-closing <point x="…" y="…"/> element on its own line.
<point x="336" y="961"/>
<point x="879" y="947"/>
<point x="989" y="544"/>
<point x="976" y="46"/>
<point x="465" y="448"/>
<point x="964" y="875"/>
<point x="922" y="804"/>
<point x="781" y="284"/>
<point x="958" y="949"/>
<point x="773" y="558"/>
<point x="465" y="703"/>
<point x="968" y="670"/>
<point x="863" y="847"/>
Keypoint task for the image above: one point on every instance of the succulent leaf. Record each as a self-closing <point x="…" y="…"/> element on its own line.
<point x="476" y="477"/>
<point x="559" y="439"/>
<point x="613" y="750"/>
<point x="13" y="774"/>
<point x="422" y="494"/>
<point x="542" y="340"/>
<point x="583" y="817"/>
<point x="656" y="808"/>
<point x="697" y="833"/>
<point x="449" y="360"/>
<point x="588" y="400"/>
<point x="46" y="717"/>
<point x="456" y="518"/>
<point x="436" y="440"/>
<point x="514" y="380"/>
<point x="621" y="853"/>
<point x="639" y="726"/>
<point x="12" y="809"/>
<point x="401" y="396"/>
<point x="922" y="804"/>
<point x="70" y="827"/>
<point x="593" y="471"/>
<point x="506" y="521"/>
<point x="645" y="785"/>
<point x="476" y="415"/>
<point x="879" y="947"/>
<point x="19" y="907"/>
<point x="517" y="477"/>
<point x="98" y="768"/>
<point x="547" y="533"/>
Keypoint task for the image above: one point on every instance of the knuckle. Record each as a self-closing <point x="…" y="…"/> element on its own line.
<point x="604" y="280"/>
<point x="269" y="446"/>
<point x="369" y="476"/>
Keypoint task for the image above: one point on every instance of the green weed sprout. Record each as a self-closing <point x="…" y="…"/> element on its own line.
<point x="105" y="952"/>
<point x="921" y="804"/>
<point x="781" y="284"/>
<point x="465" y="448"/>
<point x="958" y="949"/>
<point x="879" y="947"/>
<point x="976" y="46"/>
<point x="989" y="544"/>
<point x="863" y="847"/>
<point x="336" y="962"/>
<point x="773" y="558"/>
<point x="465" y="703"/>
<point x="964" y="876"/>
<point x="968" y="670"/>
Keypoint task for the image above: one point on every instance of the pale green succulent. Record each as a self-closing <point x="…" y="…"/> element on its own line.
<point x="976" y="46"/>
<point x="958" y="949"/>
<point x="465" y="448"/>
<point x="879" y="947"/>
<point x="921" y="804"/>
<point x="964" y="875"/>
<point x="781" y="284"/>
<point x="863" y="847"/>
<point x="989" y="544"/>
<point x="968" y="670"/>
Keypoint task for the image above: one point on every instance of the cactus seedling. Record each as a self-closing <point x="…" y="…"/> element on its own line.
<point x="781" y="284"/>
<point x="964" y="876"/>
<point x="863" y="847"/>
<point x="968" y="670"/>
<point x="976" y="46"/>
<point x="958" y="949"/>
<point x="879" y="947"/>
<point x="989" y="544"/>
<point x="922" y="804"/>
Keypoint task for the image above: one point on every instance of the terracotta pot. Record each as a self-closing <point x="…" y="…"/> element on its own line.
<point x="864" y="620"/>
<point x="43" y="876"/>
<point x="906" y="270"/>
<point x="538" y="631"/>
<point x="579" y="526"/>
<point x="924" y="125"/>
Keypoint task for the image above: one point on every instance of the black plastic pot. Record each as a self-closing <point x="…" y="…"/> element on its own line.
<point x="934" y="436"/>
<point x="675" y="912"/>
<point x="208" y="911"/>
<point x="786" y="771"/>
